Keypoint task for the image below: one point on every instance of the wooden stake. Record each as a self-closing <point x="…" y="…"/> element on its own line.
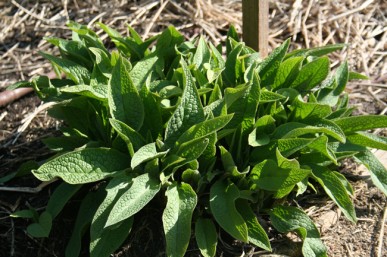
<point x="256" y="24"/>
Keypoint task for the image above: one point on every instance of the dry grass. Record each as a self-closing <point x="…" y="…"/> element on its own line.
<point x="310" y="23"/>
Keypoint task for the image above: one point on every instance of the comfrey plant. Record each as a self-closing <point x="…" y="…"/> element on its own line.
<point x="217" y="139"/>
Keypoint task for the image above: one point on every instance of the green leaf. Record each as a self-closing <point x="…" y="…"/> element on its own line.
<point x="287" y="72"/>
<point x="83" y="166"/>
<point x="368" y="139"/>
<point x="311" y="75"/>
<point x="26" y="214"/>
<point x="317" y="51"/>
<point x="303" y="111"/>
<point x="153" y="122"/>
<point x="99" y="92"/>
<point x="193" y="149"/>
<point x="321" y="145"/>
<point x="23" y="170"/>
<point x="42" y="228"/>
<point x="143" y="70"/>
<point x="177" y="218"/>
<point x="204" y="129"/>
<point x="188" y="113"/>
<point x="124" y="100"/>
<point x="60" y="197"/>
<point x="268" y="96"/>
<point x="358" y="123"/>
<point x="104" y="241"/>
<point x="335" y="190"/>
<point x="142" y="190"/>
<point x="377" y="169"/>
<point x="296" y="129"/>
<point x="270" y="66"/>
<point x="206" y="237"/>
<point x="74" y="71"/>
<point x="233" y="65"/>
<point x="85" y="214"/>
<point x="202" y="54"/>
<point x="71" y="50"/>
<point x="286" y="219"/>
<point x="102" y="61"/>
<point x="128" y="134"/>
<point x="257" y="234"/>
<point x="146" y="153"/>
<point x="354" y="75"/>
<point x="65" y="143"/>
<point x="269" y="176"/>
<point x="222" y="202"/>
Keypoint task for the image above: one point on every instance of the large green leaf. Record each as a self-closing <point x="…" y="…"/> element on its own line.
<point x="85" y="215"/>
<point x="83" y="166"/>
<point x="269" y="176"/>
<point x="286" y="219"/>
<point x="368" y="139"/>
<point x="132" y="138"/>
<point x="123" y="97"/>
<point x="222" y="202"/>
<point x="104" y="241"/>
<point x="302" y="111"/>
<point x="177" y="218"/>
<point x="74" y="71"/>
<point x="269" y="67"/>
<point x="287" y="72"/>
<point x="202" y="54"/>
<point x="146" y="153"/>
<point x="311" y="75"/>
<point x="296" y="129"/>
<point x="257" y="234"/>
<point x="188" y="113"/>
<point x="143" y="70"/>
<point x="361" y="123"/>
<point x="377" y="169"/>
<point x="142" y="190"/>
<point x="60" y="197"/>
<point x="335" y="190"/>
<point x="206" y="237"/>
<point x="233" y="66"/>
<point x="204" y="129"/>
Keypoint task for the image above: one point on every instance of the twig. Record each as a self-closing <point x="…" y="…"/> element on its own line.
<point x="348" y="250"/>
<point x="371" y="85"/>
<point x="2" y="116"/>
<point x="30" y="13"/>
<point x="155" y="17"/>
<point x="363" y="6"/>
<point x="31" y="190"/>
<point x="27" y="120"/>
<point x="381" y="233"/>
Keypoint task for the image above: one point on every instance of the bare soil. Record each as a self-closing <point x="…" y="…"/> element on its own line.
<point x="361" y="24"/>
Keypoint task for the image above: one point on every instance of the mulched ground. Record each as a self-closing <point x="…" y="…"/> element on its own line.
<point x="361" y="24"/>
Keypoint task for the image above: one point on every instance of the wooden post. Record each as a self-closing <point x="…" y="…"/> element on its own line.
<point x="256" y="24"/>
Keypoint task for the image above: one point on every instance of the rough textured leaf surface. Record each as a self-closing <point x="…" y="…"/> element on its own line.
<point x="336" y="191"/>
<point x="177" y="218"/>
<point x="142" y="190"/>
<point x="286" y="219"/>
<point x="222" y="202"/>
<point x="83" y="166"/>
<point x="124" y="100"/>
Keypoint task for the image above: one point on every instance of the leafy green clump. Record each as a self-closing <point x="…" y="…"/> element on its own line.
<point x="217" y="140"/>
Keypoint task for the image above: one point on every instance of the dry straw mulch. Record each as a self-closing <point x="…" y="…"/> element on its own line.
<point x="309" y="23"/>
